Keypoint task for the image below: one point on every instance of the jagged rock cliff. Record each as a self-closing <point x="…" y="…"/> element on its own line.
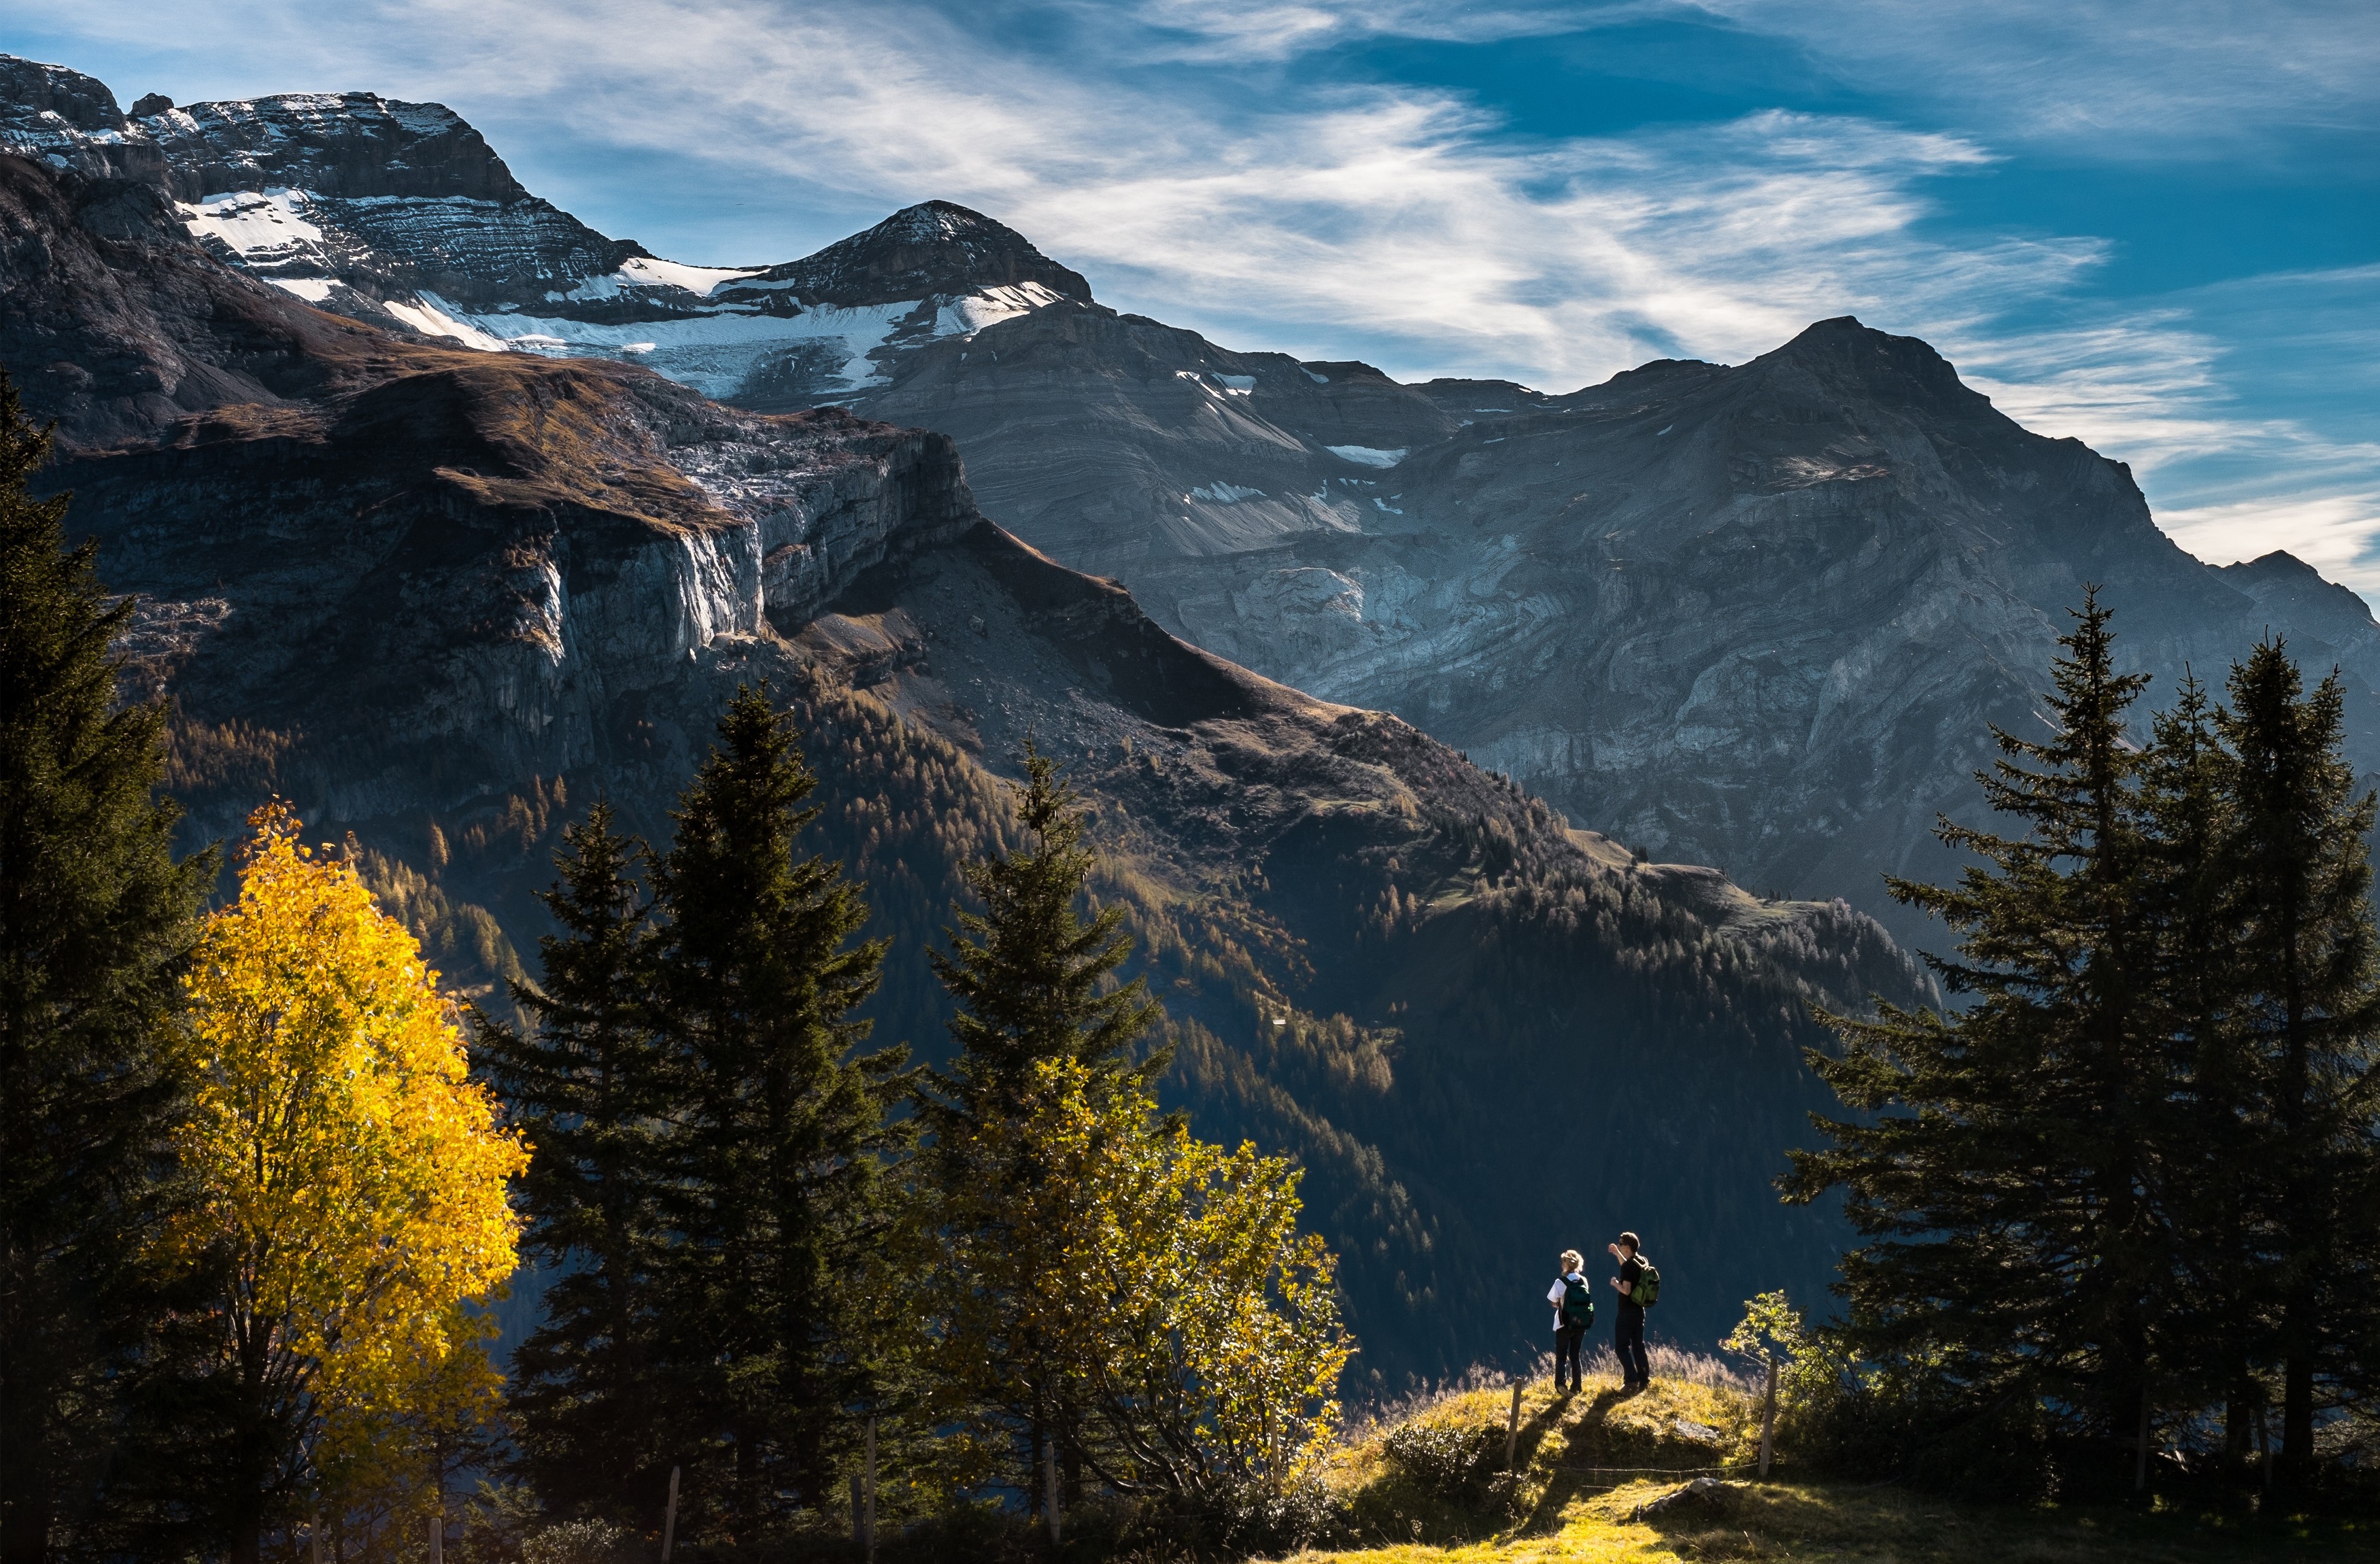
<point x="440" y="598"/>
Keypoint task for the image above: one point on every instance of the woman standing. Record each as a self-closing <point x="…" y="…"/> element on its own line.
<point x="1574" y="1303"/>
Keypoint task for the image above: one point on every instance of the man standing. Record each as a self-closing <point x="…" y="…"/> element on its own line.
<point x="1628" y="1329"/>
<point x="1573" y="1305"/>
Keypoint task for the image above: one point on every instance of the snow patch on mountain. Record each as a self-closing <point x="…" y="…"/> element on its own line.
<point x="722" y="349"/>
<point x="262" y="228"/>
<point x="426" y="316"/>
<point x="966" y="315"/>
<point x="652" y="271"/>
<point x="1367" y="455"/>
<point x="648" y="271"/>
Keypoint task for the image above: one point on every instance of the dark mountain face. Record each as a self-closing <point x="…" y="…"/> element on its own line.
<point x="441" y="599"/>
<point x="1117" y="442"/>
<point x="1758" y="616"/>
<point x="118" y="325"/>
<point x="932" y="248"/>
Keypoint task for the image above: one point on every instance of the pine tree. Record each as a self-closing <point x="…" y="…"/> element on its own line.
<point x="94" y="917"/>
<point x="1029" y="975"/>
<point x="1033" y="982"/>
<point x="2190" y="907"/>
<point x="583" y="1084"/>
<point x="2305" y="877"/>
<point x="781" y="1138"/>
<point x="2013" y="1238"/>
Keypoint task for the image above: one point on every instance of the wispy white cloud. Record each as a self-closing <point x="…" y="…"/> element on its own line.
<point x="1276" y="29"/>
<point x="2159" y="387"/>
<point x="2336" y="533"/>
<point x="2102" y="78"/>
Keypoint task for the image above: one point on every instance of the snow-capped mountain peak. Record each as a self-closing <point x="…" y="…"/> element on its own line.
<point x="402" y="215"/>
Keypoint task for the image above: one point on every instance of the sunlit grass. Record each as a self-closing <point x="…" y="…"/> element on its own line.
<point x="1576" y="1496"/>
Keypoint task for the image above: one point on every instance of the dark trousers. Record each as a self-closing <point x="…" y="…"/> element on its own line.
<point x="1628" y="1331"/>
<point x="1567" y="1342"/>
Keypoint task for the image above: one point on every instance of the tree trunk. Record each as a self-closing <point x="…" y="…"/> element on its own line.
<point x="2297" y="1415"/>
<point x="247" y="1536"/>
<point x="1034" y="1486"/>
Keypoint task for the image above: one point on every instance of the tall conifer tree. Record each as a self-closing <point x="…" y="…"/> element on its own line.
<point x="94" y="915"/>
<point x="2305" y="877"/>
<point x="2012" y="1236"/>
<point x="1033" y="981"/>
<point x="780" y="1138"/>
<point x="1030" y="975"/>
<point x="583" y="1084"/>
<point x="2192" y="907"/>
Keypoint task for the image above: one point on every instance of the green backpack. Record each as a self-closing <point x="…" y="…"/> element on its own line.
<point x="1648" y="1291"/>
<point x="1578" y="1303"/>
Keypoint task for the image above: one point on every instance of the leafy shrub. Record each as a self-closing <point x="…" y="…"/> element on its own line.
<point x="1910" y="1420"/>
<point x="574" y="1542"/>
<point x="1257" y="1521"/>
<point x="1447" y="1462"/>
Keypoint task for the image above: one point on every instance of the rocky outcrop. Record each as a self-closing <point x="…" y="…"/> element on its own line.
<point x="483" y="559"/>
<point x="1116" y="442"/>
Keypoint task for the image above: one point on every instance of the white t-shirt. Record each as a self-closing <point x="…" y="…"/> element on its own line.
<point x="1555" y="1294"/>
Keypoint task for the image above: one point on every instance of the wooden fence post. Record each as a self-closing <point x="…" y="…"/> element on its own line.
<point x="669" y="1519"/>
<point x="1769" y="1421"/>
<point x="1513" y="1427"/>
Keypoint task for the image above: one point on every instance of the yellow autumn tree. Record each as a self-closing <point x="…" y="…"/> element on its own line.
<point x="351" y="1181"/>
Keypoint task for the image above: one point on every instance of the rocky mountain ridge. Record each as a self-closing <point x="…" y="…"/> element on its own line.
<point x="440" y="598"/>
<point x="1760" y="616"/>
<point x="400" y="215"/>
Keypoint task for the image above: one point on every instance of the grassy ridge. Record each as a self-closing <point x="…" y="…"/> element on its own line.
<point x="1430" y="1486"/>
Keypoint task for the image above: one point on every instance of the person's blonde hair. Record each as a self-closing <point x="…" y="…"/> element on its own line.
<point x="1572" y="1259"/>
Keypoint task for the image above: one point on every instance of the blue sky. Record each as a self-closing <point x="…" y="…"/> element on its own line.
<point x="2153" y="226"/>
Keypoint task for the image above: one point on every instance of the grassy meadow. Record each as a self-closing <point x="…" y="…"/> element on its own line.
<point x="1427" y="1484"/>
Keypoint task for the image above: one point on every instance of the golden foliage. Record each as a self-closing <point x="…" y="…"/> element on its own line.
<point x="353" y="1178"/>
